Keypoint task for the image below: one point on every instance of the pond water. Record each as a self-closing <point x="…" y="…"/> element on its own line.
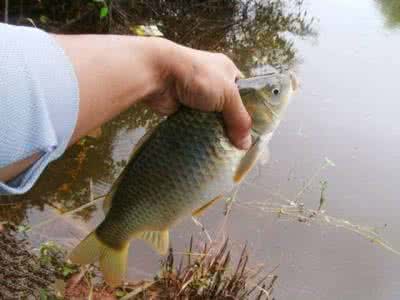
<point x="346" y="110"/>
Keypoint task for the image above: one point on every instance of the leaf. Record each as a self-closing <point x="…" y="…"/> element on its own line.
<point x="146" y="30"/>
<point x="23" y="228"/>
<point x="43" y="294"/>
<point x="103" y="12"/>
<point x="68" y="271"/>
<point x="43" y="19"/>
<point x="138" y="30"/>
<point x="120" y="293"/>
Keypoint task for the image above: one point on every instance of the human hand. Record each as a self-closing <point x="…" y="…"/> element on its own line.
<point x="204" y="81"/>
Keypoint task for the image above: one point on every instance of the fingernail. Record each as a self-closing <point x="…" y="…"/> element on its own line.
<point x="245" y="143"/>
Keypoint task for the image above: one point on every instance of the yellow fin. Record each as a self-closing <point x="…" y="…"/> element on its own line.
<point x="159" y="240"/>
<point x="113" y="264"/>
<point x="248" y="161"/>
<point x="112" y="261"/>
<point x="201" y="210"/>
<point x="88" y="250"/>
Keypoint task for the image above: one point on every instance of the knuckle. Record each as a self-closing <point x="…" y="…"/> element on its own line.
<point x="225" y="59"/>
<point x="200" y="85"/>
<point x="229" y="93"/>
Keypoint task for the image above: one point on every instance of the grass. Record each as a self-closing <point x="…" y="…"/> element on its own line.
<point x="209" y="273"/>
<point x="292" y="209"/>
<point x="296" y="210"/>
<point x="22" y="273"/>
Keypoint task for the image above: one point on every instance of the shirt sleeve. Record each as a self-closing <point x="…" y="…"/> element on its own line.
<point x="39" y="101"/>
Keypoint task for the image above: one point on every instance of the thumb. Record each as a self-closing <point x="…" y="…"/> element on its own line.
<point x="237" y="120"/>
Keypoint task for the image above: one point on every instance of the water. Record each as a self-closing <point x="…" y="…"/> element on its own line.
<point x="346" y="110"/>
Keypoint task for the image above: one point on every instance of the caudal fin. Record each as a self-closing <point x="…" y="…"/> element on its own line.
<point x="112" y="261"/>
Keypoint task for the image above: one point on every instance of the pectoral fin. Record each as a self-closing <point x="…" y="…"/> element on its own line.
<point x="158" y="240"/>
<point x="248" y="161"/>
<point x="200" y="211"/>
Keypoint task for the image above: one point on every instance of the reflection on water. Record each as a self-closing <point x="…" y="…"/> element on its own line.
<point x="343" y="111"/>
<point x="251" y="33"/>
<point x="66" y="183"/>
<point x="391" y="10"/>
<point x="254" y="32"/>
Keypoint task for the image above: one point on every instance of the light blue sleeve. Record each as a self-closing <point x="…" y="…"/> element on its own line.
<point x="39" y="100"/>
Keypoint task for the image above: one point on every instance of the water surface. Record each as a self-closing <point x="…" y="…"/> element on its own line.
<point x="346" y="110"/>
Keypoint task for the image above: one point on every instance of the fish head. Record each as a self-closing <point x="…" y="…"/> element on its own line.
<point x="266" y="98"/>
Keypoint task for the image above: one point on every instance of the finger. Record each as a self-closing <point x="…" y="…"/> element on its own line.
<point x="239" y="74"/>
<point x="237" y="120"/>
<point x="163" y="107"/>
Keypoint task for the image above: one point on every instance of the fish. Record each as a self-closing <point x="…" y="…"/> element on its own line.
<point x="180" y="168"/>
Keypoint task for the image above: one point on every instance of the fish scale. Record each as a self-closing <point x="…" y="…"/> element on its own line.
<point x="180" y="168"/>
<point x="187" y="161"/>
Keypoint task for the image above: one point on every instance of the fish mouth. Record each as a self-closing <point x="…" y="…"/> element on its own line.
<point x="255" y="82"/>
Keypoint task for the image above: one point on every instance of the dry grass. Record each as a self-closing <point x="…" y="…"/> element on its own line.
<point x="207" y="274"/>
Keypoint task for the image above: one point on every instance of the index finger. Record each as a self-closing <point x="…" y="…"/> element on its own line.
<point x="237" y="119"/>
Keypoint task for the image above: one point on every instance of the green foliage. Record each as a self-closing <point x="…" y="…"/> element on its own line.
<point x="103" y="11"/>
<point x="120" y="293"/>
<point x="54" y="255"/>
<point x="23" y="228"/>
<point x="391" y="11"/>
<point x="43" y="294"/>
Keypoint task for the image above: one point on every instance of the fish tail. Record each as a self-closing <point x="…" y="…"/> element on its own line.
<point x="112" y="260"/>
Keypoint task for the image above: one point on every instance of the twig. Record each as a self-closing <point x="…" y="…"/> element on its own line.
<point x="197" y="222"/>
<point x="6" y="11"/>
<point x="312" y="178"/>
<point x="68" y="213"/>
<point x="138" y="290"/>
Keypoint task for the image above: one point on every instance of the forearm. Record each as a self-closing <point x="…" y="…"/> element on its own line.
<point x="114" y="72"/>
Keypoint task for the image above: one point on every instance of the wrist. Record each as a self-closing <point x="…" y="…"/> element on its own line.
<point x="162" y="55"/>
<point x="173" y="61"/>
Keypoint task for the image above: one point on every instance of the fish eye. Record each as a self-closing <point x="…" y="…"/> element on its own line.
<point x="276" y="92"/>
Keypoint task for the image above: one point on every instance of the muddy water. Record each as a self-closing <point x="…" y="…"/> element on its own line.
<point x="346" y="110"/>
